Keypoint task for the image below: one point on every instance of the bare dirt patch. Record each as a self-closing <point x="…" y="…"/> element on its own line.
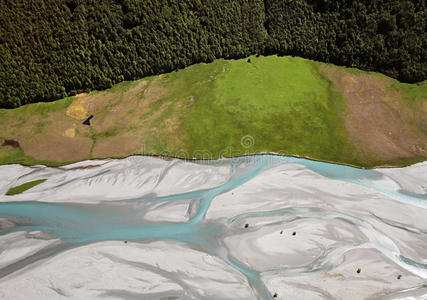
<point x="116" y="115"/>
<point x="381" y="125"/>
<point x="51" y="137"/>
<point x="137" y="124"/>
<point x="117" y="146"/>
<point x="58" y="141"/>
<point x="153" y="93"/>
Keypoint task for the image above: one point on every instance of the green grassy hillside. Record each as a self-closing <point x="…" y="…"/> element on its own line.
<point x="281" y="104"/>
<point x="285" y="105"/>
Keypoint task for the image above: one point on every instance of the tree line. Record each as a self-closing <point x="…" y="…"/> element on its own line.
<point x="50" y="49"/>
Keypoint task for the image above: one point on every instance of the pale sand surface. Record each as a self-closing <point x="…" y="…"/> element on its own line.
<point x="411" y="179"/>
<point x="18" y="245"/>
<point x="115" y="270"/>
<point x="132" y="177"/>
<point x="377" y="277"/>
<point x="169" y="212"/>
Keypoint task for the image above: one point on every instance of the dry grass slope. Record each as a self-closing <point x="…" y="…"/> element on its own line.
<point x="382" y="125"/>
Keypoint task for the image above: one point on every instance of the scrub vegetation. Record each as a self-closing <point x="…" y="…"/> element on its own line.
<point x="284" y="105"/>
<point x="50" y="49"/>
<point x="23" y="187"/>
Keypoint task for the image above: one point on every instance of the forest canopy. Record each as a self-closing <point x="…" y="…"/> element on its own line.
<point x="50" y="49"/>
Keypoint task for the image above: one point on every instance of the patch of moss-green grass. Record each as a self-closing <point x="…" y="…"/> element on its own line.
<point x="411" y="92"/>
<point x="24" y="187"/>
<point x="110" y="132"/>
<point x="361" y="72"/>
<point x="93" y="136"/>
<point x="38" y="127"/>
<point x="3" y="116"/>
<point x="123" y="86"/>
<point x="272" y="104"/>
<point x="17" y="156"/>
<point x="19" y="122"/>
<point x="43" y="108"/>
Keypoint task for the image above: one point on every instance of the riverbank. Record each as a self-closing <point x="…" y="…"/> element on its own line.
<point x="229" y="108"/>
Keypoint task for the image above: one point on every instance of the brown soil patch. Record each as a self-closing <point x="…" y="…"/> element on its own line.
<point x="136" y="90"/>
<point x="134" y="125"/>
<point x="52" y="141"/>
<point x="154" y="93"/>
<point x="54" y="144"/>
<point x="123" y="112"/>
<point x="53" y="148"/>
<point x="381" y="125"/>
<point x="117" y="146"/>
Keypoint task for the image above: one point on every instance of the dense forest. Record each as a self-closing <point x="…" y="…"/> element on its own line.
<point x="50" y="49"/>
